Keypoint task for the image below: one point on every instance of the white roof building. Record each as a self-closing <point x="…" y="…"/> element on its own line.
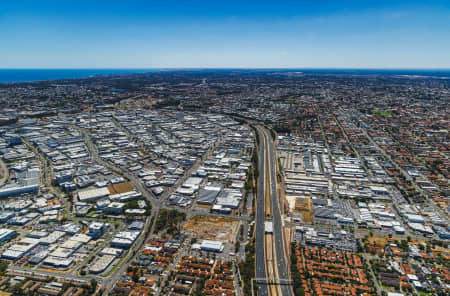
<point x="93" y="194"/>
<point x="212" y="246"/>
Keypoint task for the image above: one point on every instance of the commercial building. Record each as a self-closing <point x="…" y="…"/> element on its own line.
<point x="96" y="229"/>
<point x="93" y="194"/>
<point x="212" y="246"/>
<point x="27" y="182"/>
<point x="124" y="239"/>
<point x="6" y="234"/>
<point x="101" y="264"/>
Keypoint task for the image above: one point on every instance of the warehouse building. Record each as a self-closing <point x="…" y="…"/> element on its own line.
<point x="93" y="194"/>
<point x="96" y="229"/>
<point x="101" y="264"/>
<point x="6" y="234"/>
<point x="27" y="182"/>
<point x="212" y="246"/>
<point x="208" y="195"/>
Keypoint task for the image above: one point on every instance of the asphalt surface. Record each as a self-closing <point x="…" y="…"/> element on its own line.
<point x="276" y="221"/>
<point x="259" y="224"/>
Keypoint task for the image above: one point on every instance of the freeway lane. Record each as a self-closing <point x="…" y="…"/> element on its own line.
<point x="259" y="240"/>
<point x="280" y="260"/>
<point x="276" y="220"/>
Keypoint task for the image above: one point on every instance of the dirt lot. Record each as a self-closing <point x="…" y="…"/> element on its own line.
<point x="120" y="187"/>
<point x="379" y="240"/>
<point x="213" y="228"/>
<point x="308" y="216"/>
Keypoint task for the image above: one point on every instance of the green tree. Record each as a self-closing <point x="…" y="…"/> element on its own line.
<point x="93" y="285"/>
<point x="135" y="276"/>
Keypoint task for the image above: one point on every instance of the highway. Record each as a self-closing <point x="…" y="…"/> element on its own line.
<point x="282" y="264"/>
<point x="270" y="255"/>
<point x="259" y="224"/>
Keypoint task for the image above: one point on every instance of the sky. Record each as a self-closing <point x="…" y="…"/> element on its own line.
<point x="224" y="34"/>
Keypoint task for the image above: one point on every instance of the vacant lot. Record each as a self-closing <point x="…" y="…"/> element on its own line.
<point x="378" y="240"/>
<point x="120" y="187"/>
<point x="213" y="228"/>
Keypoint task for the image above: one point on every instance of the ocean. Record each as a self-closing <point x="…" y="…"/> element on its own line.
<point x="25" y="75"/>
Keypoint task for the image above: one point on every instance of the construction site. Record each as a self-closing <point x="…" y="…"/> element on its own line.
<point x="213" y="228"/>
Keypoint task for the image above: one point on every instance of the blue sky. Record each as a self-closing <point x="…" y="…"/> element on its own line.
<point x="261" y="34"/>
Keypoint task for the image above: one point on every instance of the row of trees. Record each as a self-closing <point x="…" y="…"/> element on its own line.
<point x="295" y="273"/>
<point x="247" y="267"/>
<point x="169" y="219"/>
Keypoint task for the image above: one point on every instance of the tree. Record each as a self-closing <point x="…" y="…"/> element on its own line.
<point x="17" y="289"/>
<point x="3" y="267"/>
<point x="93" y="285"/>
<point x="135" y="276"/>
<point x="300" y="291"/>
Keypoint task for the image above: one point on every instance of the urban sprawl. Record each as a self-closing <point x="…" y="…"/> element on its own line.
<point x="225" y="182"/>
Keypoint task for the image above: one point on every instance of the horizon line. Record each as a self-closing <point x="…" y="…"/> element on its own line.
<point x="229" y="68"/>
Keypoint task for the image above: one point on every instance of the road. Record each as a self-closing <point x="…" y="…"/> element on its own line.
<point x="172" y="266"/>
<point x="276" y="220"/>
<point x="367" y="258"/>
<point x="276" y="266"/>
<point x="259" y="224"/>
<point x="436" y="209"/>
<point x="157" y="203"/>
<point x="110" y="281"/>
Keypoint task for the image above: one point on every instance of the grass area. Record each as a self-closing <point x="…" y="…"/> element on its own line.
<point x="378" y="240"/>
<point x="382" y="112"/>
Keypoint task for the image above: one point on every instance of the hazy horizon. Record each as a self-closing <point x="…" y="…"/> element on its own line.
<point x="227" y="68"/>
<point x="234" y="34"/>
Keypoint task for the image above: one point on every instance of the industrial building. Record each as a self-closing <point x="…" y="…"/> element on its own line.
<point x="212" y="246"/>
